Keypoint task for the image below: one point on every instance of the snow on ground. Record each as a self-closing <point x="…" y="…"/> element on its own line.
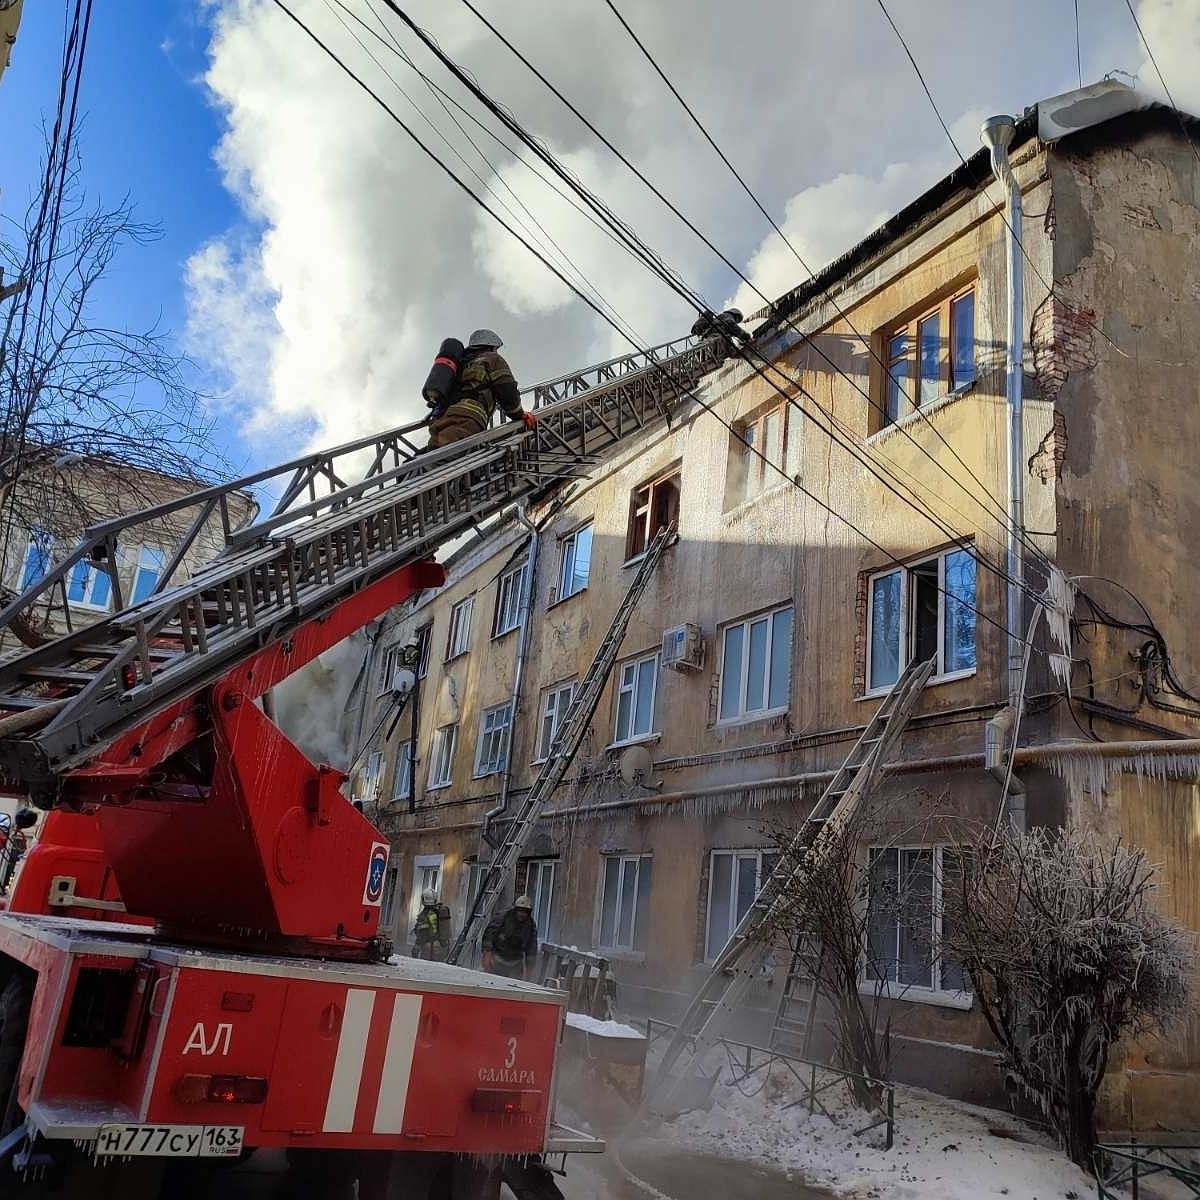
<point x="602" y="1028"/>
<point x="943" y="1150"/>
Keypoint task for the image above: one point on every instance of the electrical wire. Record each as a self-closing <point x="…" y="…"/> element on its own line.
<point x="705" y="405"/>
<point x="673" y="280"/>
<point x="1158" y="72"/>
<point x="1078" y="50"/>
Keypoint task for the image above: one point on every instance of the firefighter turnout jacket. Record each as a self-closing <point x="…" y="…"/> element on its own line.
<point x="431" y="933"/>
<point x="485" y="381"/>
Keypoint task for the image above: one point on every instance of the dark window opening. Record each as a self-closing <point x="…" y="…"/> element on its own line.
<point x="652" y="507"/>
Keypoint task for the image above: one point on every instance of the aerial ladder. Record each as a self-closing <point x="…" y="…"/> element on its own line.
<point x="680" y="1081"/>
<point x="191" y="964"/>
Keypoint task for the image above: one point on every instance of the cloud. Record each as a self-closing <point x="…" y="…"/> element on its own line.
<point x="356" y="255"/>
<point x="1172" y="30"/>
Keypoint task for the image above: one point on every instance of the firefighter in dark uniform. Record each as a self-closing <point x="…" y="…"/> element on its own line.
<point x="485" y="382"/>
<point x="510" y="942"/>
<point x="431" y="933"/>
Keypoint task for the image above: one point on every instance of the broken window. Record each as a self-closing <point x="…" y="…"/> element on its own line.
<point x="756" y="666"/>
<point x="735" y="878"/>
<point x="905" y="923"/>
<point x="921" y="611"/>
<point x="624" y="900"/>
<point x="652" y="507"/>
<point x="757" y="455"/>
<point x="926" y="357"/>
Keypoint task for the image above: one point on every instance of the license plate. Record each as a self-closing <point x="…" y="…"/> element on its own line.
<point x="169" y="1141"/>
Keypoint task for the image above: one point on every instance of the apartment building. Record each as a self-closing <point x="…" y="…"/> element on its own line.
<point x="867" y="527"/>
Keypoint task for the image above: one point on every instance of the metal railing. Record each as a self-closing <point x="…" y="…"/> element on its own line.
<point x="752" y="1064"/>
<point x="1122" y="1166"/>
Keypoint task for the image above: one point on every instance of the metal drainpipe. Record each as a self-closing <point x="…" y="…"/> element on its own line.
<point x="518" y="675"/>
<point x="997" y="135"/>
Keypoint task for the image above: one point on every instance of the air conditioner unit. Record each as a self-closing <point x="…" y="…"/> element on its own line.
<point x="683" y="648"/>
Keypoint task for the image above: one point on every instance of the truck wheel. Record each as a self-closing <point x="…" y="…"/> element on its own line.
<point x="317" y="1175"/>
<point x="16" y="999"/>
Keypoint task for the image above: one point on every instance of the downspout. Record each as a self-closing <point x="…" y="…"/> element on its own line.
<point x="489" y="817"/>
<point x="997" y="135"/>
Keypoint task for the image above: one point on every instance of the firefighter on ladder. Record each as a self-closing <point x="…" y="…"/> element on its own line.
<point x="484" y="382"/>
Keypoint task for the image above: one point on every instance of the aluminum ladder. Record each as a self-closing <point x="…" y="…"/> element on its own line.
<point x="795" y="1014"/>
<point x="63" y="701"/>
<point x="741" y="962"/>
<point x="567" y="740"/>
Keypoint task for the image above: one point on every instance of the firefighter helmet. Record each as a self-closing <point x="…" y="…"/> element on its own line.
<point x="489" y="339"/>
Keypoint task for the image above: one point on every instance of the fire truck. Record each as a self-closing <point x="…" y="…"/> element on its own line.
<point x="191" y="962"/>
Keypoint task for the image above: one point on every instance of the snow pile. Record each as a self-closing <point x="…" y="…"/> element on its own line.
<point x="602" y="1028"/>
<point x="943" y="1150"/>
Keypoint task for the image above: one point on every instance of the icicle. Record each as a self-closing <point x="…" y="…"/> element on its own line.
<point x="1060" y="607"/>
<point x="1089" y="773"/>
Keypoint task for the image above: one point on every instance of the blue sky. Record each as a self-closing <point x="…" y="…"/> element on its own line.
<point x="149" y="133"/>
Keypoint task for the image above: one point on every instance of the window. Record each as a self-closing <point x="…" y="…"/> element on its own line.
<point x="369" y="780"/>
<point x="459" y="640"/>
<point x="636" y="690"/>
<point x="935" y="351"/>
<point x="735" y="878"/>
<point x="493" y="740"/>
<point x="387" y="906"/>
<point x="89" y="585"/>
<point x="151" y="561"/>
<point x="441" y="765"/>
<point x="919" y="612"/>
<point x="905" y="922"/>
<point x="625" y="894"/>
<point x="755" y="439"/>
<point x="37" y="557"/>
<point x="424" y="637"/>
<point x="652" y="507"/>
<point x="574" y="563"/>
<point x="402" y="780"/>
<point x="756" y="666"/>
<point x="555" y="702"/>
<point x="427" y="877"/>
<point x="508" y="601"/>
<point x="539" y="884"/>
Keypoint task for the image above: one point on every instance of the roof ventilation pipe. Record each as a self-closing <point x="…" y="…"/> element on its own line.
<point x="997" y="135"/>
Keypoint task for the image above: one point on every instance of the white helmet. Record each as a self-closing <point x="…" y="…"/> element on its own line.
<point x="523" y="902"/>
<point x="429" y="897"/>
<point x="487" y="338"/>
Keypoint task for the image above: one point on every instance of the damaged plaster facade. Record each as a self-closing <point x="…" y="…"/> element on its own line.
<point x="650" y="878"/>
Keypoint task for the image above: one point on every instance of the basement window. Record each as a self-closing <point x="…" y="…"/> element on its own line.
<point x="921" y="611"/>
<point x="652" y="507"/>
<point x="925" y="358"/>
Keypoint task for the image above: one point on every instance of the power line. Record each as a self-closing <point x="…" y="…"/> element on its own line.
<point x="1167" y="90"/>
<point x="673" y="280"/>
<point x="1000" y="510"/>
<point x="1078" y="51"/>
<point x="708" y="407"/>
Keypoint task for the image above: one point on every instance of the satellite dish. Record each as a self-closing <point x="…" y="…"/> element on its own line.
<point x="403" y="681"/>
<point x="637" y="765"/>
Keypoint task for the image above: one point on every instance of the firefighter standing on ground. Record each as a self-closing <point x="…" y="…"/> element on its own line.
<point x="510" y="942"/>
<point x="431" y="933"/>
<point x="485" y="382"/>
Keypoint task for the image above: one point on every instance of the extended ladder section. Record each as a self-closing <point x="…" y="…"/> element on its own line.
<point x="741" y="962"/>
<point x="500" y="870"/>
<point x="63" y="701"/>
<point x="792" y="1029"/>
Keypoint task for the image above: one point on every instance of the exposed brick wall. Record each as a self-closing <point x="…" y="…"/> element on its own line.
<point x="1046" y="462"/>
<point x="860" y="635"/>
<point x="1064" y="340"/>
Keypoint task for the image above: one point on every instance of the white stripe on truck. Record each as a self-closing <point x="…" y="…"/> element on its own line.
<point x="397" y="1065"/>
<point x="348" y="1065"/>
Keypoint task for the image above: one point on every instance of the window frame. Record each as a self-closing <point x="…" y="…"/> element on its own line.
<point x="540" y="867"/>
<point x="40" y="542"/>
<point x="572" y="538"/>
<point x="387" y="902"/>
<point x="435" y="782"/>
<point x="638" y="532"/>
<point x="737" y="854"/>
<point x="155" y="569"/>
<point x="512" y="579"/>
<point x="909" y="402"/>
<point x="372" y="777"/>
<point x="907" y="633"/>
<point x="893" y="989"/>
<point x="482" y="768"/>
<point x="753" y="472"/>
<point x="92" y="573"/>
<point x="555" y="691"/>
<point x="623" y="860"/>
<point x="459" y="633"/>
<point x="636" y="661"/>
<point x="404" y="768"/>
<point x="424" y="636"/>
<point x="421" y="864"/>
<point x="743" y="714"/>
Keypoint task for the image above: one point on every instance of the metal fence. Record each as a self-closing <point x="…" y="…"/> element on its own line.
<point x="750" y="1066"/>
<point x="1127" y="1165"/>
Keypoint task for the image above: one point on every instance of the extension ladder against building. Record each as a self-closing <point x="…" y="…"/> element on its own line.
<point x="738" y="965"/>
<point x="325" y="539"/>
<point x="795" y="1014"/>
<point x="498" y="873"/>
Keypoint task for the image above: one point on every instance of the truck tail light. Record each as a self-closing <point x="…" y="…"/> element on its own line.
<point x="221" y="1089"/>
<point x="506" y="1103"/>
